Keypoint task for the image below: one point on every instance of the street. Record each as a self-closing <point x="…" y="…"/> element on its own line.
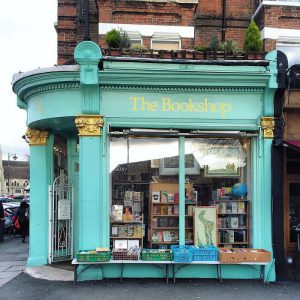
<point x="22" y="286"/>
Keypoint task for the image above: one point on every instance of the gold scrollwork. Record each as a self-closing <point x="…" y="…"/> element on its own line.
<point x="268" y="124"/>
<point x="89" y="125"/>
<point x="37" y="137"/>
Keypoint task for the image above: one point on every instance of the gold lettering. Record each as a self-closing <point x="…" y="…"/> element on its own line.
<point x="166" y="104"/>
<point x="135" y="100"/>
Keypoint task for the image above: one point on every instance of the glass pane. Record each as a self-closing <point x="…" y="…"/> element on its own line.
<point x="294" y="213"/>
<point x="144" y="181"/>
<point x="216" y="192"/>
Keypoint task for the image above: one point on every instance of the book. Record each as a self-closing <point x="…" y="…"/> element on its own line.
<point x="127" y="214"/>
<point x="229" y="236"/>
<point x="162" y="222"/>
<point x="136" y="196"/>
<point x="114" y="230"/>
<point x="159" y="236"/>
<point x="122" y="231"/>
<point x="164" y="210"/>
<point x="190" y="210"/>
<point x="241" y="207"/>
<point x="234" y="207"/>
<point x="154" y="222"/>
<point x="172" y="222"/>
<point x="166" y="236"/>
<point x="133" y="244"/>
<point x="155" y="197"/>
<point x="176" y="210"/>
<point x="170" y="210"/>
<point x="164" y="197"/>
<point x="234" y="222"/>
<point x="154" y="237"/>
<point x="116" y="213"/>
<point x="222" y="207"/>
<point x="170" y="198"/>
<point x="176" y="198"/>
<point x="128" y="196"/>
<point x="121" y="244"/>
<point x="156" y="210"/>
<point x="137" y="231"/>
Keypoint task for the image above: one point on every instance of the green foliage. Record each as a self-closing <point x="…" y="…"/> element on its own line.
<point x="201" y="48"/>
<point x="125" y="42"/>
<point x="214" y="43"/>
<point x="253" y="40"/>
<point x="113" y="38"/>
<point x="230" y="47"/>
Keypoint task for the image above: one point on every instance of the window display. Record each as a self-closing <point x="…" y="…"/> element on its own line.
<point x="145" y="191"/>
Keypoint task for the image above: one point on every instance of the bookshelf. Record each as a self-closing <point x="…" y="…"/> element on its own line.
<point x="233" y="222"/>
<point x="163" y="216"/>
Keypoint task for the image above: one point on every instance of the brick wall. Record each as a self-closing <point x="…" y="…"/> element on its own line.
<point x="70" y="27"/>
<point x="209" y="21"/>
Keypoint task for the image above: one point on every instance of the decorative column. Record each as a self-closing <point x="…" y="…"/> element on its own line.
<point x="92" y="216"/>
<point x="40" y="178"/>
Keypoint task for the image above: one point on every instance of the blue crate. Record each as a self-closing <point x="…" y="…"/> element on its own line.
<point x="182" y="253"/>
<point x="205" y="253"/>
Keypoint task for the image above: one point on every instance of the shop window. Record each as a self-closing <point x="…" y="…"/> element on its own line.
<point x="148" y="183"/>
<point x="60" y="156"/>
<point x="165" y="41"/>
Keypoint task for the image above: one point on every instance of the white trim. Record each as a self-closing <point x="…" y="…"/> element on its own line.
<point x="274" y="3"/>
<point x="281" y="34"/>
<point x="148" y="30"/>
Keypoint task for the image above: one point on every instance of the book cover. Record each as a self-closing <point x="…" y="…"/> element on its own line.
<point x="116" y="213"/>
<point x="241" y="207"/>
<point x="137" y="231"/>
<point x="164" y="197"/>
<point x="222" y="207"/>
<point x="154" y="222"/>
<point x="156" y="210"/>
<point x="229" y="236"/>
<point x="159" y="236"/>
<point x="166" y="236"/>
<point x="127" y="214"/>
<point x="128" y="195"/>
<point x="154" y="237"/>
<point x="155" y="197"/>
<point x="121" y="244"/>
<point x="176" y="198"/>
<point x="133" y="244"/>
<point x="172" y="222"/>
<point x="130" y="230"/>
<point x="234" y="207"/>
<point x="174" y="236"/>
<point x="170" y="198"/>
<point x="176" y="210"/>
<point x="122" y="231"/>
<point x="162" y="222"/>
<point x="164" y="210"/>
<point x="170" y="210"/>
<point x="190" y="210"/>
<point x="114" y="230"/>
<point x="128" y="203"/>
<point x="136" y="207"/>
<point x="136" y="196"/>
<point x="234" y="222"/>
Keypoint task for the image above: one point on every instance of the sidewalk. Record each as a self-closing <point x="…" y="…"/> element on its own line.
<point x="13" y="256"/>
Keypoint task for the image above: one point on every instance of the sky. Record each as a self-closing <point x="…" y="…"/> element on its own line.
<point x="27" y="42"/>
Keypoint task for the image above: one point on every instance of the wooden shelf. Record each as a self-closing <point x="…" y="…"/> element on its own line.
<point x="162" y="228"/>
<point x="164" y="243"/>
<point x="235" y="243"/>
<point x="239" y="228"/>
<point x="244" y="214"/>
<point x="126" y="238"/>
<point x="174" y="216"/>
<point x="127" y="222"/>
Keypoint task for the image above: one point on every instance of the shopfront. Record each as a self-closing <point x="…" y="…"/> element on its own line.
<point x="160" y="153"/>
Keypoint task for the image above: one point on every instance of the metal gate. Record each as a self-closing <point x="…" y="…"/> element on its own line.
<point x="61" y="195"/>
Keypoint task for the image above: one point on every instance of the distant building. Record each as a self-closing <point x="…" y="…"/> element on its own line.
<point x="16" y="177"/>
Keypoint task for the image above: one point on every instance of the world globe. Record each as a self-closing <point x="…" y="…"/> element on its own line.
<point x="239" y="189"/>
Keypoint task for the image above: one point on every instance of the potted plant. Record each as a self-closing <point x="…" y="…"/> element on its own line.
<point x="253" y="44"/>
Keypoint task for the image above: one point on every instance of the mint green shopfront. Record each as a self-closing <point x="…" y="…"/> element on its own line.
<point x="76" y="114"/>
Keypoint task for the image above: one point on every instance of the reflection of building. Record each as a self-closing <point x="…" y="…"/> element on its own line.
<point x="18" y="174"/>
<point x="144" y="102"/>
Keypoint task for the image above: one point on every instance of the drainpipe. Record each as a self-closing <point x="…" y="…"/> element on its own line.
<point x="223" y="20"/>
<point x="86" y="21"/>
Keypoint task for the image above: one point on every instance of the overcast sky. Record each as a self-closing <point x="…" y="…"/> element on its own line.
<point x="27" y="42"/>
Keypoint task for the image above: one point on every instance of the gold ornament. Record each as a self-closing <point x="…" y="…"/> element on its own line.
<point x="37" y="137"/>
<point x="89" y="125"/>
<point x="267" y="124"/>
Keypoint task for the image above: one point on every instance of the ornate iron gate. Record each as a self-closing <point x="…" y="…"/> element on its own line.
<point x="61" y="220"/>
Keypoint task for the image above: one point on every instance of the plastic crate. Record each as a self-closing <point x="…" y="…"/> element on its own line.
<point x="88" y="256"/>
<point x="182" y="253"/>
<point x="122" y="254"/>
<point x="156" y="255"/>
<point x="205" y="253"/>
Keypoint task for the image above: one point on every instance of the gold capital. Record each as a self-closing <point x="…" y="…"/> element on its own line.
<point x="37" y="137"/>
<point x="267" y="124"/>
<point x="89" y="125"/>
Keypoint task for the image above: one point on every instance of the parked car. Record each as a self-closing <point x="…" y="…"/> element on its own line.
<point x="5" y="199"/>
<point x="10" y="210"/>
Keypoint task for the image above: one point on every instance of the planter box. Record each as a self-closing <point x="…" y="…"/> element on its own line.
<point x="240" y="255"/>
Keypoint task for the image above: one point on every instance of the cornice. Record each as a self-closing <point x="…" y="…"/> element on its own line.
<point x="50" y="87"/>
<point x="181" y="89"/>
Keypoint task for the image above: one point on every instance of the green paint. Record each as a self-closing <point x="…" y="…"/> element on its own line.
<point x="181" y="191"/>
<point x="41" y="160"/>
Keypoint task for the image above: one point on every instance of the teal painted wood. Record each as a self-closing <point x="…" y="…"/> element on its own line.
<point x="73" y="174"/>
<point x="41" y="160"/>
<point x="90" y="214"/>
<point x="181" y="191"/>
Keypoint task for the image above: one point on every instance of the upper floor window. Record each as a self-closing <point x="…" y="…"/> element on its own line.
<point x="166" y="41"/>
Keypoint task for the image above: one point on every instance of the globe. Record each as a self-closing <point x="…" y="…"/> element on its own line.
<point x="239" y="189"/>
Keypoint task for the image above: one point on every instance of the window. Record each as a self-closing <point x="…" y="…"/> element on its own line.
<point x="135" y="38"/>
<point x="166" y="41"/>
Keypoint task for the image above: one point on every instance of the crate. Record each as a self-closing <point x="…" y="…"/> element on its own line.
<point x="93" y="256"/>
<point x="205" y="253"/>
<point x="156" y="254"/>
<point x="182" y="253"/>
<point x="122" y="254"/>
<point x="240" y="255"/>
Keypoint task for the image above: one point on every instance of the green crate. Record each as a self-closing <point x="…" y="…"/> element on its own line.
<point x="156" y="255"/>
<point x="93" y="257"/>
